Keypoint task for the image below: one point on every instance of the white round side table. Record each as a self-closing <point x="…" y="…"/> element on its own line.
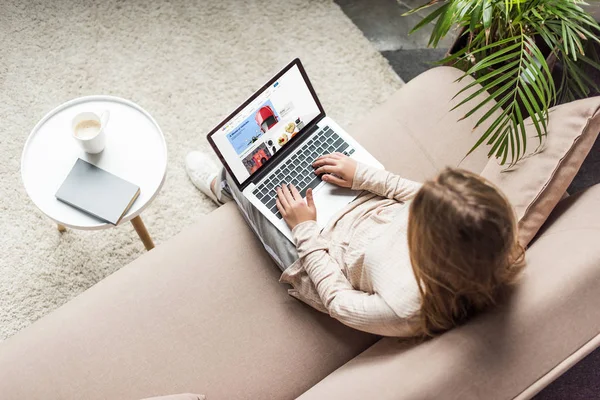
<point x="135" y="151"/>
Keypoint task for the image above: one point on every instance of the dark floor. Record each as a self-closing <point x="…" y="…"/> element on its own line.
<point x="381" y="21"/>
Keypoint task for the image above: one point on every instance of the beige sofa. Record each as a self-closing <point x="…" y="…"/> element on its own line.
<point x="204" y="312"/>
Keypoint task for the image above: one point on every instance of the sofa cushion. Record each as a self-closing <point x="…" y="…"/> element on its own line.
<point x="537" y="183"/>
<point x="415" y="134"/>
<point x="202" y="313"/>
<point x="552" y="313"/>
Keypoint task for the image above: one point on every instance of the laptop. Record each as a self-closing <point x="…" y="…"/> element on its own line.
<point x="274" y="137"/>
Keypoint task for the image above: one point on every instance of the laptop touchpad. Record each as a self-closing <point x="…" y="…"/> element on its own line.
<point x="330" y="199"/>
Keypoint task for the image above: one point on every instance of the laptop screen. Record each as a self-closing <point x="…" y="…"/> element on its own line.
<point x="267" y="122"/>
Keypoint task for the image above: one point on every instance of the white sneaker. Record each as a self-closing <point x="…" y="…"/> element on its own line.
<point x="202" y="171"/>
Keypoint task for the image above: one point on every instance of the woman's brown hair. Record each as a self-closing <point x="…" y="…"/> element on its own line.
<point x="462" y="237"/>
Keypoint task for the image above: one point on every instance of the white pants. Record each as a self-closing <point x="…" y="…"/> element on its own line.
<point x="277" y="245"/>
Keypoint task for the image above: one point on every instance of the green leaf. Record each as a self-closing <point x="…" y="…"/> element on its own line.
<point x="475" y="18"/>
<point x="497" y="126"/>
<point x="541" y="81"/>
<point x="487" y="18"/>
<point x="424" y="6"/>
<point x="507" y="7"/>
<point x="590" y="62"/>
<point x="495" y="58"/>
<point x="575" y="77"/>
<point x="453" y="57"/>
<point x="498" y="131"/>
<point x="511" y="139"/>
<point x="588" y="34"/>
<point x="499" y="43"/>
<point x="493" y="109"/>
<point x="565" y="38"/>
<point x="483" y="79"/>
<point x="534" y="117"/>
<point x="485" y="101"/>
<point x="500" y="141"/>
<point x="576" y="70"/>
<point x="504" y="151"/>
<point x="434" y="14"/>
<point x="552" y="41"/>
<point x="488" y="86"/>
<point x="488" y="132"/>
<point x="519" y="120"/>
<point x="476" y="41"/>
<point x="570" y="40"/>
<point x="548" y="82"/>
<point x="537" y="113"/>
<point x="442" y="25"/>
<point x="536" y="84"/>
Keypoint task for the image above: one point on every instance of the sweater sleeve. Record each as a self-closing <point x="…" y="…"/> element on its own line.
<point x="383" y="183"/>
<point x="357" y="309"/>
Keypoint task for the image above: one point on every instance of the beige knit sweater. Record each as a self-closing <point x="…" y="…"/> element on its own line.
<point x="357" y="269"/>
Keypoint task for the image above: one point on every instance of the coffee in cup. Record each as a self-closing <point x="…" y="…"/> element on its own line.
<point x="89" y="131"/>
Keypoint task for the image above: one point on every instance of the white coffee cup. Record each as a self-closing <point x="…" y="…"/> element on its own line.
<point x="89" y="131"/>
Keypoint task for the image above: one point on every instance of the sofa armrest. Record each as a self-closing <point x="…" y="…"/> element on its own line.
<point x="552" y="313"/>
<point x="415" y="134"/>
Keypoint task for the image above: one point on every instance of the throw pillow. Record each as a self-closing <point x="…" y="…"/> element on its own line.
<point x="537" y="183"/>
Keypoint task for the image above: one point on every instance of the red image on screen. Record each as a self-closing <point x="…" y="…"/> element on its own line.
<point x="256" y="158"/>
<point x="265" y="118"/>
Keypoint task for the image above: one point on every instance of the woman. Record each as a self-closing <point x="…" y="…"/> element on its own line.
<point x="403" y="259"/>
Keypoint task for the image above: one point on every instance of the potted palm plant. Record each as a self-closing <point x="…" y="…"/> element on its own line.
<point x="528" y="54"/>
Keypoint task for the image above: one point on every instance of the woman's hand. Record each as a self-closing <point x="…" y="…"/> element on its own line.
<point x="292" y="206"/>
<point x="336" y="168"/>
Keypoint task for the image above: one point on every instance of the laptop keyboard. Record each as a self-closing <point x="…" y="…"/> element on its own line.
<point x="298" y="169"/>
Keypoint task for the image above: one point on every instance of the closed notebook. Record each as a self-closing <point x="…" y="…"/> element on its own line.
<point x="97" y="192"/>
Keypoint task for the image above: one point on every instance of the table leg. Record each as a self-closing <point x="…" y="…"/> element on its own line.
<point x="61" y="228"/>
<point x="142" y="232"/>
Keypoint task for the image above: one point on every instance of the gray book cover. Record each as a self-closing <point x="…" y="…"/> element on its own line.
<point x="97" y="192"/>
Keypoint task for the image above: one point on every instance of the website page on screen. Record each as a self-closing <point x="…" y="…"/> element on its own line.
<point x="266" y="125"/>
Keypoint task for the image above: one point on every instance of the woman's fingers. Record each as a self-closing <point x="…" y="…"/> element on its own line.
<point x="282" y="199"/>
<point x="310" y="200"/>
<point x="335" y="155"/>
<point x="325" y="160"/>
<point x="280" y="207"/>
<point x="287" y="194"/>
<point x="327" y="169"/>
<point x="335" y="180"/>
<point x="295" y="192"/>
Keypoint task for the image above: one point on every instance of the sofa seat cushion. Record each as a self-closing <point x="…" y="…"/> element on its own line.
<point x="552" y="313"/>
<point x="202" y="313"/>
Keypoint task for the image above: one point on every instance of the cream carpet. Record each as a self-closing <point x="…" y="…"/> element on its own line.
<point x="188" y="63"/>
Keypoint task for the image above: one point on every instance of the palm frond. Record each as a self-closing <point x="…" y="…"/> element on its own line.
<point x="501" y="50"/>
